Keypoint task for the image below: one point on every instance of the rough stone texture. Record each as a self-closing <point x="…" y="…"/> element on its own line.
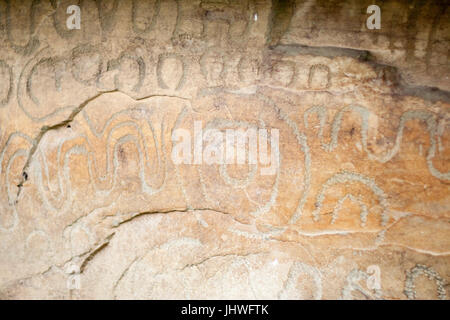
<point x="88" y="184"/>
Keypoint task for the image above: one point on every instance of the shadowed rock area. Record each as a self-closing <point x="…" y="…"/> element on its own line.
<point x="93" y="205"/>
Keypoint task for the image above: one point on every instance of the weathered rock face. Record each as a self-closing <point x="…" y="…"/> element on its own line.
<point x="93" y="205"/>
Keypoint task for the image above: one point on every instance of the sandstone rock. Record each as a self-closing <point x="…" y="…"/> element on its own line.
<point x="93" y="206"/>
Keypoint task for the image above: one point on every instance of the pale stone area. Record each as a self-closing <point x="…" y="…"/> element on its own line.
<point x="93" y="207"/>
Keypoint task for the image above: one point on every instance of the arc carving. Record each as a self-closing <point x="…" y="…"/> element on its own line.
<point x="431" y="274"/>
<point x="348" y="177"/>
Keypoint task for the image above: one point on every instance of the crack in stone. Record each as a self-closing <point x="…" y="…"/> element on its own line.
<point x="46" y="129"/>
<point x="91" y="253"/>
<point x="175" y="211"/>
<point x="65" y="122"/>
<point x="190" y="265"/>
<point x="95" y="251"/>
<point x="122" y="275"/>
<point x="196" y="264"/>
<point x="323" y="51"/>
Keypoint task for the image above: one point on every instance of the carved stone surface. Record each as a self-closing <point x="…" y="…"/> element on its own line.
<point x="92" y="204"/>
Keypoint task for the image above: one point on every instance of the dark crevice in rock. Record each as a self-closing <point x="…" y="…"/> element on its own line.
<point x="66" y="123"/>
<point x="387" y="72"/>
<point x="223" y="255"/>
<point x="329" y="52"/>
<point x="174" y="211"/>
<point x="95" y="251"/>
<point x="46" y="129"/>
<point x="279" y="20"/>
<point x="432" y="94"/>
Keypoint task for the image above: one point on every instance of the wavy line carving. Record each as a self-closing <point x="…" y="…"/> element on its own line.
<point x="428" y="117"/>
